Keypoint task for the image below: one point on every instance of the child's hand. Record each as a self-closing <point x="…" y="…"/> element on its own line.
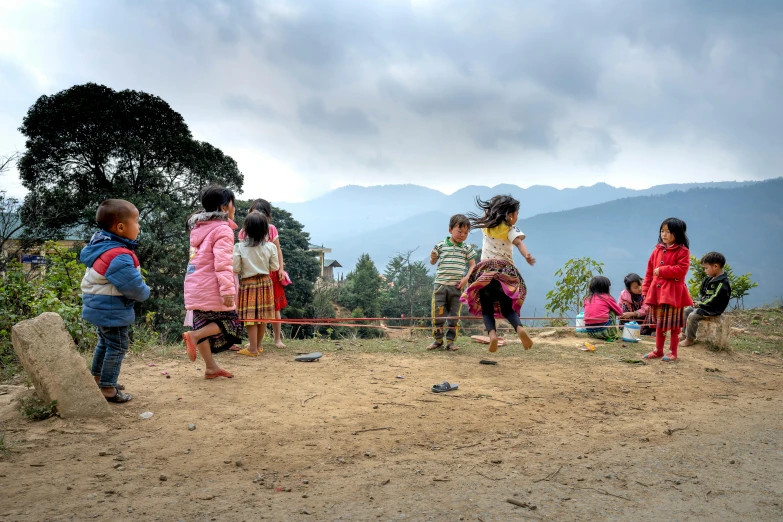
<point x="281" y="275"/>
<point x="530" y="259"/>
<point x="462" y="283"/>
<point x="655" y="272"/>
<point x="628" y="315"/>
<point x="228" y="301"/>
<point x="433" y="257"/>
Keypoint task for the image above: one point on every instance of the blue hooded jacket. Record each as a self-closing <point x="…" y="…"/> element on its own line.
<point x="112" y="282"/>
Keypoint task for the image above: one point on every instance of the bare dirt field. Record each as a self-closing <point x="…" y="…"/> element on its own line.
<point x="566" y="434"/>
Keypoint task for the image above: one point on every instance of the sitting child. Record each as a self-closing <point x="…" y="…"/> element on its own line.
<point x="714" y="296"/>
<point x="632" y="302"/>
<point x="601" y="310"/>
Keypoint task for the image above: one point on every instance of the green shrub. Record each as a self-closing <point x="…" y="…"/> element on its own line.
<point x="35" y="409"/>
<point x="571" y="287"/>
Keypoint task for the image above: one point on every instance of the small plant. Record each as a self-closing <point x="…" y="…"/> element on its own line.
<point x="35" y="409"/>
<point x="571" y="287"/>
<point x="3" y="445"/>
<point x="143" y="335"/>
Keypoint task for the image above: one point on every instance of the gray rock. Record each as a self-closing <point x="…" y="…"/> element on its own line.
<point x="49" y="356"/>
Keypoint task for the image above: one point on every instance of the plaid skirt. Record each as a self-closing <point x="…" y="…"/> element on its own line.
<point x="280" y="300"/>
<point x="231" y="329"/>
<point x="256" y="298"/>
<point x="667" y="317"/>
<point x="506" y="274"/>
<point x="607" y="331"/>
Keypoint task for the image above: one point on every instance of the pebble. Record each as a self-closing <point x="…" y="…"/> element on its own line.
<point x="117" y="465"/>
<point x="102" y="453"/>
<point x="101" y="475"/>
<point x="304" y="512"/>
<point x="119" y="458"/>
<point x="191" y="427"/>
<point x="163" y="478"/>
<point x="305" y="481"/>
<point x="120" y="468"/>
<point x="731" y="462"/>
<point x="146" y="415"/>
<point x="498" y="461"/>
<point x="305" y="495"/>
<point x="238" y="463"/>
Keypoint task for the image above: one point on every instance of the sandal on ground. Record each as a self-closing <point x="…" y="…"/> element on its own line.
<point x="245" y="351"/>
<point x="189" y="346"/>
<point x="221" y="373"/>
<point x="435" y="345"/>
<point x="653" y="355"/>
<point x="444" y="387"/>
<point x="670" y="357"/>
<point x="451" y="347"/>
<point x="119" y="397"/>
<point x="527" y="342"/>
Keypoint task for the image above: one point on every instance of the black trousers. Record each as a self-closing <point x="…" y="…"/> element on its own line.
<point x="487" y="297"/>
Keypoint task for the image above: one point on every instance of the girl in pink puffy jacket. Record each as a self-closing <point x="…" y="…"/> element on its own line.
<point x="210" y="284"/>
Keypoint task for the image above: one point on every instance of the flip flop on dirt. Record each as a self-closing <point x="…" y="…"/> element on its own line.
<point x="308" y="357"/>
<point x="451" y="347"/>
<point x="245" y="351"/>
<point x="221" y="373"/>
<point x="444" y="387"/>
<point x="190" y="347"/>
<point x="653" y="355"/>
<point x="435" y="345"/>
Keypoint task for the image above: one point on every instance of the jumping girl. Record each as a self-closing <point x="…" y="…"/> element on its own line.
<point x="664" y="287"/>
<point x="210" y="283"/>
<point x="496" y="288"/>
<point x="254" y="258"/>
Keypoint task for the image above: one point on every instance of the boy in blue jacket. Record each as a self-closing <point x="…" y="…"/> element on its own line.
<point x="111" y="286"/>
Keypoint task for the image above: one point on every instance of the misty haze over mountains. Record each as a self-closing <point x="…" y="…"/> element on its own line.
<point x="616" y="226"/>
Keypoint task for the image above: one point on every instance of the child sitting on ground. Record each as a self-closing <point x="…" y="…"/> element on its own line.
<point x="254" y="259"/>
<point x="714" y="296"/>
<point x="632" y="302"/>
<point x="601" y="310"/>
<point x="457" y="261"/>
<point x="111" y="286"/>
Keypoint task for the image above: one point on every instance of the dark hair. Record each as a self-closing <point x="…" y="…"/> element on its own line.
<point x="256" y="229"/>
<point x="631" y="279"/>
<point x="495" y="211"/>
<point x="214" y="196"/>
<point x="714" y="258"/>
<point x="459" y="221"/>
<point x="263" y="206"/>
<point x="113" y="211"/>
<point x="598" y="285"/>
<point x="677" y="227"/>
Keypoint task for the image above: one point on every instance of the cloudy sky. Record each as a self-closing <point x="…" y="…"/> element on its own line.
<point x="310" y="96"/>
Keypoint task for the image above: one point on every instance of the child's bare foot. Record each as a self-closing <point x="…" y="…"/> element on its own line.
<point x="688" y="342"/>
<point x="493" y="341"/>
<point x="527" y="342"/>
<point x="279" y="344"/>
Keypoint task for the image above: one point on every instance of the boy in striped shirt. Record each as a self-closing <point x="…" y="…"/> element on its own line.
<point x="456" y="261"/>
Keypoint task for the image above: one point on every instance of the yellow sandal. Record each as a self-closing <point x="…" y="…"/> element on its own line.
<point x="245" y="351"/>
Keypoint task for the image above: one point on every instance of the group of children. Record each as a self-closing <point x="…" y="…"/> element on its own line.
<point x="230" y="287"/>
<point x="495" y="288"/>
<point x="219" y="304"/>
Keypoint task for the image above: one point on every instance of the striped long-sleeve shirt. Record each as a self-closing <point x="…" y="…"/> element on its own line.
<point x="453" y="261"/>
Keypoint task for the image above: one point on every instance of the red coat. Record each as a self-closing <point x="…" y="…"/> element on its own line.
<point x="668" y="287"/>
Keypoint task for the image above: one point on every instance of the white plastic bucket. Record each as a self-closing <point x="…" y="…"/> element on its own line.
<point x="580" y="323"/>
<point x="632" y="332"/>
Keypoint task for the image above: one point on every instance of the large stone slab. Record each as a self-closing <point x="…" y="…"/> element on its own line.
<point x="58" y="372"/>
<point x="715" y="332"/>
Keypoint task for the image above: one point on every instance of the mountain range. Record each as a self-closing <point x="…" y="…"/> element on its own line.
<point x="744" y="221"/>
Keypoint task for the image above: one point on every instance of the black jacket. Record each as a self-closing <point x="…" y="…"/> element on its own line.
<point x="714" y="295"/>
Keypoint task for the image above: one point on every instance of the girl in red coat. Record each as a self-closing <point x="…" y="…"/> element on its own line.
<point x="664" y="287"/>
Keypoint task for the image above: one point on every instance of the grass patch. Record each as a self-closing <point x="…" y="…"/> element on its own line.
<point x="35" y="409"/>
<point x="4" y="448"/>
<point x="762" y="330"/>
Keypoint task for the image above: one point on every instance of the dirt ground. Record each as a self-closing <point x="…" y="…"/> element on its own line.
<point x="359" y="436"/>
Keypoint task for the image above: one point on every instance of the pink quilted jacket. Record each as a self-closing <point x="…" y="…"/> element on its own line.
<point x="210" y="273"/>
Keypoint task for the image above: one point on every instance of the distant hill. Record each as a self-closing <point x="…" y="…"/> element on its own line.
<point x="745" y="223"/>
<point x="353" y="210"/>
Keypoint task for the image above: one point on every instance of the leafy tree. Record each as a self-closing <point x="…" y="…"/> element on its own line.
<point x="10" y="224"/>
<point x="89" y="143"/>
<point x="571" y="287"/>
<point x="410" y="289"/>
<point x="362" y="288"/>
<point x="740" y="285"/>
